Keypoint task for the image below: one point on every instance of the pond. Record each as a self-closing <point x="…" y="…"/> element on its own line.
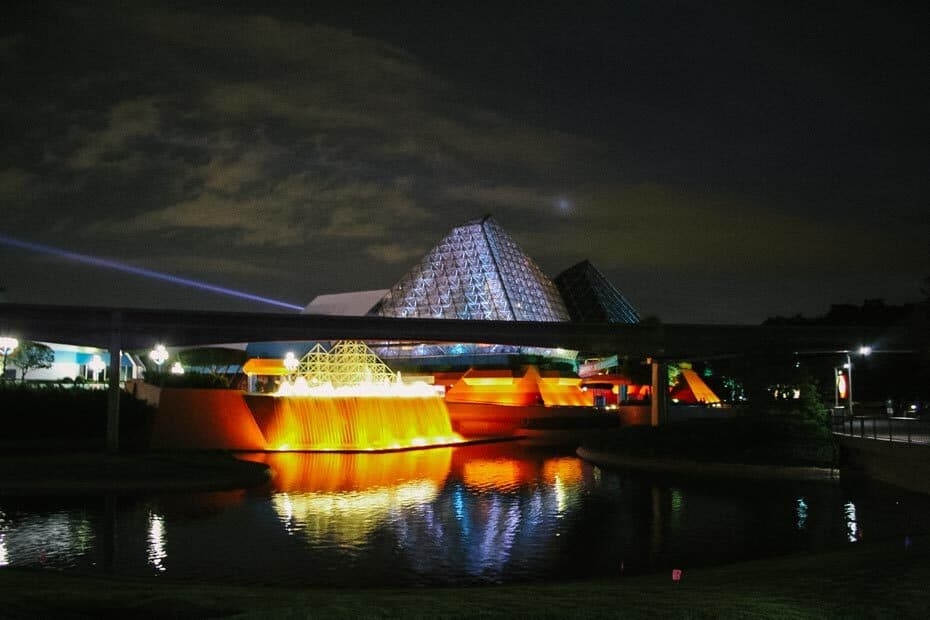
<point x="491" y="513"/>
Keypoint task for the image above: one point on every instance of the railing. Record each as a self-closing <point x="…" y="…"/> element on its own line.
<point x="896" y="430"/>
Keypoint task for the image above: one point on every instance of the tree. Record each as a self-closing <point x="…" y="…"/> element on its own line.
<point x="810" y="406"/>
<point x="31" y="355"/>
<point x="219" y="362"/>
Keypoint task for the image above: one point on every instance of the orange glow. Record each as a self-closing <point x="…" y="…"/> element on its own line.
<point x="500" y="387"/>
<point x="265" y="367"/>
<point x="699" y="390"/>
<point x="345" y="472"/>
<point x="564" y="392"/>
<point x="566" y="470"/>
<point x="499" y="474"/>
<point x="842" y="385"/>
<point x="346" y="497"/>
<point x="356" y="423"/>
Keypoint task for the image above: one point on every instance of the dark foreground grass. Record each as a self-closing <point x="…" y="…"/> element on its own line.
<point x="876" y="581"/>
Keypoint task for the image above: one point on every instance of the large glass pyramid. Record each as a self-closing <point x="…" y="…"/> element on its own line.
<point x="591" y="298"/>
<point x="476" y="272"/>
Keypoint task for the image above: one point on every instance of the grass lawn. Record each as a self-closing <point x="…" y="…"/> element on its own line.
<point x="875" y="581"/>
<point x="746" y="439"/>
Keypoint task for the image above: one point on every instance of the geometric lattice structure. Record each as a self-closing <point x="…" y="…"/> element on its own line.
<point x="346" y="363"/>
<point x="477" y="271"/>
<point x="591" y="298"/>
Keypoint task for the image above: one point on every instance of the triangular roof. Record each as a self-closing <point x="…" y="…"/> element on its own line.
<point x="356" y="303"/>
<point x="477" y="271"/>
<point x="591" y="298"/>
<point x="694" y="389"/>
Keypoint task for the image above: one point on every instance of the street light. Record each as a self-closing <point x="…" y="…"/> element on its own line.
<point x="177" y="369"/>
<point x="7" y="346"/>
<point x="863" y="351"/>
<point x="291" y="363"/>
<point x="159" y="355"/>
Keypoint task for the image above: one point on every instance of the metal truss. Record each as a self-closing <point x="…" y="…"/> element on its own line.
<point x="348" y="362"/>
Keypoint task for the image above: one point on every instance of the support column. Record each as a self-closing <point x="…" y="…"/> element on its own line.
<point x="116" y="354"/>
<point x="659" y="401"/>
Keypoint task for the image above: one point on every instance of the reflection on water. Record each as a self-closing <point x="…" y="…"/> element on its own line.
<point x="342" y="498"/>
<point x="346" y="500"/>
<point x="4" y="554"/>
<point x="156" y="550"/>
<point x="852" y="527"/>
<point x="477" y="514"/>
<point x="802" y="514"/>
<point x="327" y="472"/>
<point x="57" y="539"/>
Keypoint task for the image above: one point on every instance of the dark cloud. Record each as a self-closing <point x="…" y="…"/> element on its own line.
<point x="300" y="152"/>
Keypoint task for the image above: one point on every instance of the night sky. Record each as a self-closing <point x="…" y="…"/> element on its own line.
<point x="719" y="162"/>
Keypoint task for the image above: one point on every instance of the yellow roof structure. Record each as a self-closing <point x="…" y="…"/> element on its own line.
<point x="265" y="367"/>
<point x="702" y="393"/>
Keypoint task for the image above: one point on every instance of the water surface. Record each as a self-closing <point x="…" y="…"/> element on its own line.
<point x="491" y="513"/>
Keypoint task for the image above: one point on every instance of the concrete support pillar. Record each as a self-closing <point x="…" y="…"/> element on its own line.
<point x="116" y="354"/>
<point x="659" y="402"/>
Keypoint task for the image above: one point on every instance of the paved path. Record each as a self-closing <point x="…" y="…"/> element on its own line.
<point x="897" y="430"/>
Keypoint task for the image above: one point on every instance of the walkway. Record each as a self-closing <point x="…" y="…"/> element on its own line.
<point x="888" y="429"/>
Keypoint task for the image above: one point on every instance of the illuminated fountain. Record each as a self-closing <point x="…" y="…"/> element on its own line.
<point x="348" y="399"/>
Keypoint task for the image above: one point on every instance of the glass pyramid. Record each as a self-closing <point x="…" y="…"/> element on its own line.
<point x="476" y="272"/>
<point x="591" y="298"/>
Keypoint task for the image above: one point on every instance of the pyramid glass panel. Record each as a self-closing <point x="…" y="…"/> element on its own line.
<point x="476" y="272"/>
<point x="591" y="298"/>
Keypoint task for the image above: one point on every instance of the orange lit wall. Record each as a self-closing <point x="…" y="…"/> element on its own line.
<point x="501" y="387"/>
<point x="489" y="420"/>
<point x="564" y="392"/>
<point x="192" y="419"/>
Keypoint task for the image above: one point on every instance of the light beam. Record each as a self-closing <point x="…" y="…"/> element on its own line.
<point x="111" y="264"/>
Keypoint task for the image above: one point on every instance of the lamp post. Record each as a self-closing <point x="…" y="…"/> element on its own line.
<point x="7" y="346"/>
<point x="291" y="363"/>
<point x="863" y="351"/>
<point x="177" y="369"/>
<point x="159" y="355"/>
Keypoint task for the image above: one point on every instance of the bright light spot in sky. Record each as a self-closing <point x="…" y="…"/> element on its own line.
<point x="111" y="264"/>
<point x="563" y="204"/>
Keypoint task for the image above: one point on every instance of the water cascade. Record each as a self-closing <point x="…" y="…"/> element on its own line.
<point x="357" y="423"/>
<point x="348" y="399"/>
